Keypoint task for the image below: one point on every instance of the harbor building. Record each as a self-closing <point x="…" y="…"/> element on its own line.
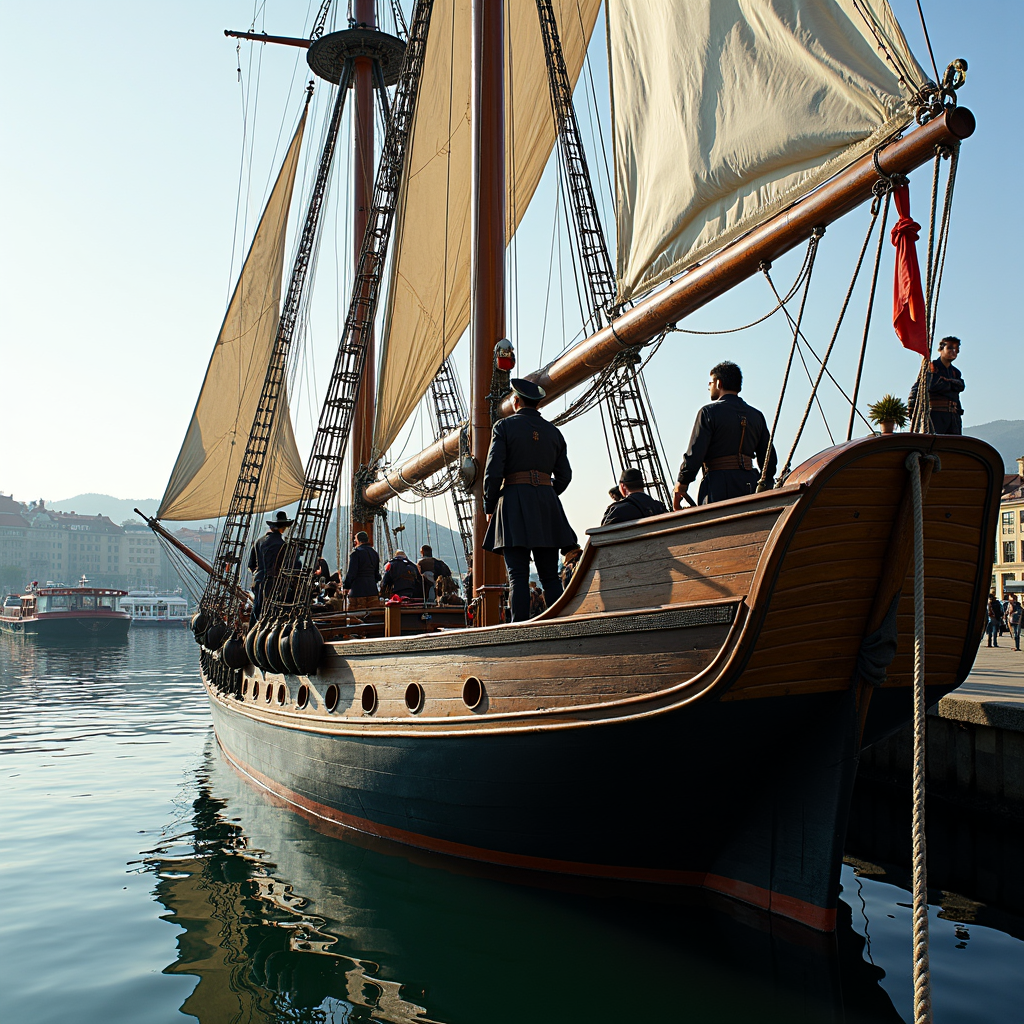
<point x="1008" y="567"/>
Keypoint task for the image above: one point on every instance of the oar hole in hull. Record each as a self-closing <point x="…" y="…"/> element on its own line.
<point x="472" y="692"/>
<point x="270" y="692"/>
<point x="368" y="699"/>
<point x="302" y="698"/>
<point x="245" y="687"/>
<point x="282" y="694"/>
<point x="414" y="697"/>
<point x="331" y="697"/>
<point x="255" y="690"/>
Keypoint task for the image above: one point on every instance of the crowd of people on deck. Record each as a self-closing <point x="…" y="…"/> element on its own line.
<point x="528" y="469"/>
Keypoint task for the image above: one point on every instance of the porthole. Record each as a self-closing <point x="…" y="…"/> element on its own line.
<point x="255" y="690"/>
<point x="472" y="692"/>
<point x="414" y="697"/>
<point x="331" y="697"/>
<point x="368" y="699"/>
<point x="282" y="694"/>
<point x="245" y="687"/>
<point x="302" y="699"/>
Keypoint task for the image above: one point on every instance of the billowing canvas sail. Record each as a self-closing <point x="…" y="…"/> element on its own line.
<point x="208" y="464"/>
<point x="725" y="112"/>
<point x="428" y="299"/>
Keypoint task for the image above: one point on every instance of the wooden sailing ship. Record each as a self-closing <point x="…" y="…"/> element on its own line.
<point x="692" y="709"/>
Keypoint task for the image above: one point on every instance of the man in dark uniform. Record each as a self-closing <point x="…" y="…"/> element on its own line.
<point x="362" y="575"/>
<point x="265" y="560"/>
<point x="945" y="385"/>
<point x="727" y="435"/>
<point x="402" y="577"/>
<point x="521" y="499"/>
<point x="633" y="502"/>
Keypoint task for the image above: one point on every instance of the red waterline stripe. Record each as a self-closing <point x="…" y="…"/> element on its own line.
<point x="795" y="909"/>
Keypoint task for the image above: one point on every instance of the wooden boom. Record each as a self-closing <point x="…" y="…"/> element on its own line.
<point x="706" y="281"/>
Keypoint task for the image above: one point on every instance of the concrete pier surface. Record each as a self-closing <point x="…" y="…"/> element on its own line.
<point x="975" y="738"/>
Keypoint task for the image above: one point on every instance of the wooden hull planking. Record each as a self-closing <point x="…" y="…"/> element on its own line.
<point x="687" y="713"/>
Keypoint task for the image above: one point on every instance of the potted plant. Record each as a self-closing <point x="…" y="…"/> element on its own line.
<point x="888" y="412"/>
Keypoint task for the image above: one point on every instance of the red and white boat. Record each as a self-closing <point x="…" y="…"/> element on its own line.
<point x="66" y="613"/>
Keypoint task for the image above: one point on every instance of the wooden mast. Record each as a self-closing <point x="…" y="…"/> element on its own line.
<point x="487" y="258"/>
<point x="362" y="198"/>
<point x="715" y="276"/>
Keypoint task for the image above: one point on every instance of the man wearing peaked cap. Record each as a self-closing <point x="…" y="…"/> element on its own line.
<point x="635" y="503"/>
<point x="527" y="468"/>
<point x="265" y="560"/>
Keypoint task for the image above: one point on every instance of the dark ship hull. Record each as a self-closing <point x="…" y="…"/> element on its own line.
<point x="691" y="712"/>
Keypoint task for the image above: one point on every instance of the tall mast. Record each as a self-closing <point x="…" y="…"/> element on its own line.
<point x="364" y="167"/>
<point x="487" y="258"/>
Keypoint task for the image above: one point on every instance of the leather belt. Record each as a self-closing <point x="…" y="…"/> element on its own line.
<point x="943" y="405"/>
<point x="533" y="477"/>
<point x="729" y="462"/>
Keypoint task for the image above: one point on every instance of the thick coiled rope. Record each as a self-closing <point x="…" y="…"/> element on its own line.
<point x="922" y="975"/>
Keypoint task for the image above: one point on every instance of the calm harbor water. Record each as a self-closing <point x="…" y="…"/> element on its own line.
<point x="142" y="880"/>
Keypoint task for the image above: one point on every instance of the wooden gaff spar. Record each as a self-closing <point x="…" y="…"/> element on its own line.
<point x="689" y="672"/>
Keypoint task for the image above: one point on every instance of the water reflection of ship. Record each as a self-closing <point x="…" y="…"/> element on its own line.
<point x="282" y="922"/>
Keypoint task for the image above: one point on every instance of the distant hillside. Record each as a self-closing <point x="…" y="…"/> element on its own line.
<point x="117" y="510"/>
<point x="1006" y="436"/>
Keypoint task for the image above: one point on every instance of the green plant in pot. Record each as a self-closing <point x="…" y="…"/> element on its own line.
<point x="888" y="412"/>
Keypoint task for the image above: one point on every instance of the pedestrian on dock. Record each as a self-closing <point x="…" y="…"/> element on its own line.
<point x="527" y="469"/>
<point x="727" y="436"/>
<point x="1013" y="615"/>
<point x="363" y="575"/>
<point x="995" y="619"/>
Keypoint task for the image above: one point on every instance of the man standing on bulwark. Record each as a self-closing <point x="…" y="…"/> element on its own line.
<point x="727" y="436"/>
<point x="527" y="468"/>
<point x="945" y="386"/>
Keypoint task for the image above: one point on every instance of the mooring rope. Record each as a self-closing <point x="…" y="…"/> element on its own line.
<point x="922" y="975"/>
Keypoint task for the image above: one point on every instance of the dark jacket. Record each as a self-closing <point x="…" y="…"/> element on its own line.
<point x="718" y="432"/>
<point x="526" y="516"/>
<point x="945" y="383"/>
<point x="363" y="572"/>
<point x="637" y="505"/>
<point x="265" y="557"/>
<point x="403" y="578"/>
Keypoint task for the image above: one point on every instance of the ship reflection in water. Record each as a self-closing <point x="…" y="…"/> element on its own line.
<point x="284" y="923"/>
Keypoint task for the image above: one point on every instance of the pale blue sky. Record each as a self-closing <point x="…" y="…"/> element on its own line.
<point x="122" y="127"/>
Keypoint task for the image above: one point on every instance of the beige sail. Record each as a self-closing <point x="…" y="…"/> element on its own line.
<point x="428" y="300"/>
<point x="208" y="464"/>
<point x="725" y="112"/>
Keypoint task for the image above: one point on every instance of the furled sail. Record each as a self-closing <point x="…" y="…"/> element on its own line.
<point x="428" y="297"/>
<point x="208" y="464"/>
<point x="726" y="112"/>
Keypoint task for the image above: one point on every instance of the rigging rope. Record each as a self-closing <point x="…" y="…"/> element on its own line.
<point x="922" y="975"/>
<point x="875" y="209"/>
<point x="812" y="252"/>
<point x="867" y="315"/>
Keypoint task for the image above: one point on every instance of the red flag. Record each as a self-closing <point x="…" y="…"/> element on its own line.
<point x="908" y="315"/>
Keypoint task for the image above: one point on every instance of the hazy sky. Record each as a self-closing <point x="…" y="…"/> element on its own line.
<point x="123" y="134"/>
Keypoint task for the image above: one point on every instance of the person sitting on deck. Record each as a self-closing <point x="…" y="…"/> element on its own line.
<point x="432" y="570"/>
<point x="633" y="501"/>
<point x="402" y="578"/>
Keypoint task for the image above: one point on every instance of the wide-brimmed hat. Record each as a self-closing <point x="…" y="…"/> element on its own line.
<point x="527" y="389"/>
<point x="281" y="519"/>
<point x="631" y="478"/>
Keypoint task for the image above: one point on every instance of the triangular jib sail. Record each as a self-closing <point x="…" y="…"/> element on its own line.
<point x="726" y="111"/>
<point x="208" y="464"/>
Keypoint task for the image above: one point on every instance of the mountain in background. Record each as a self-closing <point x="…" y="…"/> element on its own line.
<point x="1006" y="436"/>
<point x="418" y="530"/>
